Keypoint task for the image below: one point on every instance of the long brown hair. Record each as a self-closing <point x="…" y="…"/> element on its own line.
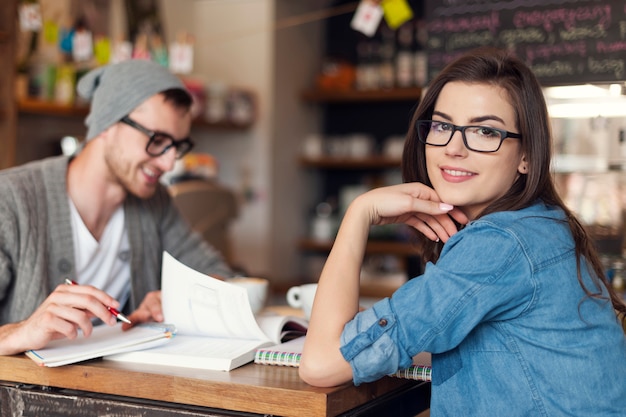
<point x="500" y="68"/>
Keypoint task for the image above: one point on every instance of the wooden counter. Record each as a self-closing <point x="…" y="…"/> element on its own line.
<point x="259" y="389"/>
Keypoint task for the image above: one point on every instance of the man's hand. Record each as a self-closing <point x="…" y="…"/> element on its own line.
<point x="66" y="310"/>
<point x="150" y="309"/>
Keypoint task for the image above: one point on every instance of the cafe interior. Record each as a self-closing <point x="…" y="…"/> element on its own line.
<point x="297" y="110"/>
<point x="299" y="106"/>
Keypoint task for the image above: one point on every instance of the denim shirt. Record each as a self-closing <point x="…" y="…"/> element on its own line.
<point x="507" y="322"/>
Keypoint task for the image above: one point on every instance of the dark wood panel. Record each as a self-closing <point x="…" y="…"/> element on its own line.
<point x="33" y="401"/>
<point x="8" y="20"/>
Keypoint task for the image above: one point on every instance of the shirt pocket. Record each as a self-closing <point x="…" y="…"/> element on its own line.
<point x="446" y="365"/>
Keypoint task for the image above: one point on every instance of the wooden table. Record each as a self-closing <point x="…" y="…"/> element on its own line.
<point x="101" y="387"/>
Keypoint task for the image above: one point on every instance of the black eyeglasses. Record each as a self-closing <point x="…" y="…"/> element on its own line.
<point x="160" y="142"/>
<point x="475" y="138"/>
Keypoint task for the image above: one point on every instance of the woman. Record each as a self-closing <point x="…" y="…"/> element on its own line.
<point x="514" y="307"/>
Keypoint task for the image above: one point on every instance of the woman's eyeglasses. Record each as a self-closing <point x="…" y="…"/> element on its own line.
<point x="160" y="142"/>
<point x="475" y="138"/>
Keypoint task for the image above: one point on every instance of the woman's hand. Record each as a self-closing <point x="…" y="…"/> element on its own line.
<point x="415" y="205"/>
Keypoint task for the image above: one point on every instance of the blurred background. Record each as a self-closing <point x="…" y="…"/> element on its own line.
<point x="302" y="105"/>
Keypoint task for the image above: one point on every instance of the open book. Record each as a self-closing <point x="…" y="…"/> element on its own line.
<point x="104" y="340"/>
<point x="216" y="327"/>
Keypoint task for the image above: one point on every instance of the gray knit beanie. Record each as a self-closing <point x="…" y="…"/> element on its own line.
<point x="118" y="89"/>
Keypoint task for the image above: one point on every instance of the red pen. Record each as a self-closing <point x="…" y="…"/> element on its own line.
<point x="113" y="311"/>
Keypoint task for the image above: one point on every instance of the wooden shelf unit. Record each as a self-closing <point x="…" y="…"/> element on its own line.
<point x="48" y="108"/>
<point x="372" y="162"/>
<point x="373" y="247"/>
<point x="369" y="96"/>
<point x="377" y="288"/>
<point x="380" y="114"/>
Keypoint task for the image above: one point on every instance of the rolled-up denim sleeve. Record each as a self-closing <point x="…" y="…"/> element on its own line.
<point x="369" y="344"/>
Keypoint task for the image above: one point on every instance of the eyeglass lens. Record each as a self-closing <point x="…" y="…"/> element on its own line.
<point x="160" y="143"/>
<point x="477" y="138"/>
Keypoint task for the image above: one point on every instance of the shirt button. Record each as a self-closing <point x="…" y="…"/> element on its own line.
<point x="64" y="266"/>
<point x="382" y="322"/>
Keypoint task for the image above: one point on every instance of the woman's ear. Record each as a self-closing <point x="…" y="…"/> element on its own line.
<point x="522" y="168"/>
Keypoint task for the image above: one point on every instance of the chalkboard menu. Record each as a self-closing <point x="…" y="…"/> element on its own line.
<point x="564" y="42"/>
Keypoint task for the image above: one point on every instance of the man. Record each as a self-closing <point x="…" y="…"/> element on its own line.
<point x="101" y="218"/>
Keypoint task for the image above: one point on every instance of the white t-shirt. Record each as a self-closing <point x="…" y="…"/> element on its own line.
<point x="105" y="264"/>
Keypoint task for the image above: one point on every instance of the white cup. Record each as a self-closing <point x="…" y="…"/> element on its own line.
<point x="313" y="146"/>
<point x="302" y="297"/>
<point x="361" y="145"/>
<point x="257" y="291"/>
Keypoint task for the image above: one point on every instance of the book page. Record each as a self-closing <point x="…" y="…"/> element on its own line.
<point x="196" y="352"/>
<point x="200" y="305"/>
<point x="279" y="328"/>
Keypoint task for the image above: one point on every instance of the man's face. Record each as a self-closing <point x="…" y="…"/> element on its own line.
<point x="125" y="151"/>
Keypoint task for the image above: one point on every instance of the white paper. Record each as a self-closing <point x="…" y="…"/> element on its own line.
<point x="181" y="58"/>
<point x="367" y="17"/>
<point x="200" y="305"/>
<point x="104" y="340"/>
<point x="30" y="17"/>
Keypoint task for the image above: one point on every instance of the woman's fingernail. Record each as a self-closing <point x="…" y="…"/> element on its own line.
<point x="446" y="207"/>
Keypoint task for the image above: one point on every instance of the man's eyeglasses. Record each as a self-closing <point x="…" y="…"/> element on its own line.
<point x="475" y="138"/>
<point x="160" y="142"/>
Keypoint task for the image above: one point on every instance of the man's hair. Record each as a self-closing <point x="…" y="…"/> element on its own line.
<point x="178" y="97"/>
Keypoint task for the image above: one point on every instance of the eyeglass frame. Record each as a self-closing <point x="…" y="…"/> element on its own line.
<point x="152" y="137"/>
<point x="504" y="134"/>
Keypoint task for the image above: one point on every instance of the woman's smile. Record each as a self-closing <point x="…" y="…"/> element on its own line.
<point x="456" y="174"/>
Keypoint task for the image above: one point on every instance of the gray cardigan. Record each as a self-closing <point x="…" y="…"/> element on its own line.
<point x="36" y="245"/>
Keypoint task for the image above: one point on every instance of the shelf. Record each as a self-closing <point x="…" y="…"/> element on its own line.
<point x="40" y="107"/>
<point x="226" y="125"/>
<point x="354" y="96"/>
<point x="370" y="288"/>
<point x="379" y="289"/>
<point x="33" y="106"/>
<point x="350" y="163"/>
<point x="373" y="247"/>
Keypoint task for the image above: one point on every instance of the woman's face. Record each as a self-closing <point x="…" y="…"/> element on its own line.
<point x="467" y="179"/>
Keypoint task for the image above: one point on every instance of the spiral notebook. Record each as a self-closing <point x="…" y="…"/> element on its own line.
<point x="420" y="370"/>
<point x="289" y="354"/>
<point x="282" y="354"/>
